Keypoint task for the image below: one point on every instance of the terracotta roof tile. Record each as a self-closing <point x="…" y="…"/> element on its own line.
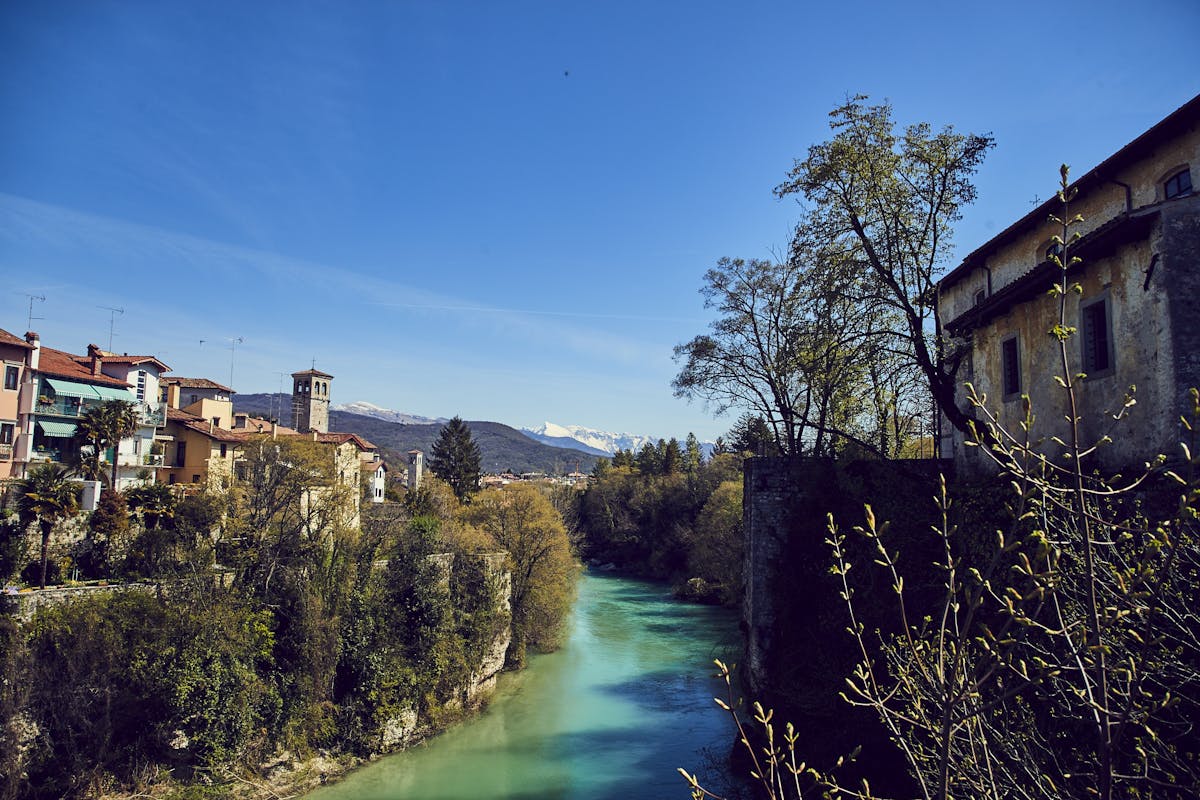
<point x="13" y="340"/>
<point x="110" y="358"/>
<point x="63" y="365"/>
<point x="197" y="383"/>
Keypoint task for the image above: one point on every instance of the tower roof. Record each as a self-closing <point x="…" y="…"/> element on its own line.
<point x="311" y="373"/>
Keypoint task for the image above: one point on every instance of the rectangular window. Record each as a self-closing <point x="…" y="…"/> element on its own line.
<point x="7" y="430"/>
<point x="11" y="376"/>
<point x="1010" y="365"/>
<point x="1096" y="336"/>
<point x="224" y="449"/>
<point x="141" y="385"/>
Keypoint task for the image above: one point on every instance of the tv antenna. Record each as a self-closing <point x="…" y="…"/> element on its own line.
<point x="277" y="400"/>
<point x="32" y="297"/>
<point x="233" y="343"/>
<point x="112" y="321"/>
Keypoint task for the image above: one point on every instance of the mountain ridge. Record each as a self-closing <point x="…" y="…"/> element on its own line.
<point x="502" y="448"/>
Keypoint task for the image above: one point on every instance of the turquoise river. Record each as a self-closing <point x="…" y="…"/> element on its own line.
<point x="611" y="715"/>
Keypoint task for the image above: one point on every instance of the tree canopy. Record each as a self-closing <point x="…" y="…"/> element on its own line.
<point x="455" y="458"/>
<point x="886" y="200"/>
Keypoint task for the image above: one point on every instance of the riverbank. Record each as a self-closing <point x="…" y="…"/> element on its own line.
<point x="626" y="701"/>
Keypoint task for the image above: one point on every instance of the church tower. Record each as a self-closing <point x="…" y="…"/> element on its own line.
<point x="310" y="401"/>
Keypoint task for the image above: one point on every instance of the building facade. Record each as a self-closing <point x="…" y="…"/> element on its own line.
<point x="1134" y="320"/>
<point x="310" y="401"/>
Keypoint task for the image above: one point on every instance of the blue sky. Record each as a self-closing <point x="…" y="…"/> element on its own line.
<point x="501" y="210"/>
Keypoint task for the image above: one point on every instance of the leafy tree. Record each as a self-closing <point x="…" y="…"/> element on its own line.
<point x="887" y="201"/>
<point x="749" y="360"/>
<point x="751" y="434"/>
<point x="108" y="530"/>
<point x="670" y="456"/>
<point x="693" y="456"/>
<point x="455" y="458"/>
<point x="523" y="522"/>
<point x="102" y="427"/>
<point x="47" y="497"/>
<point x="715" y="548"/>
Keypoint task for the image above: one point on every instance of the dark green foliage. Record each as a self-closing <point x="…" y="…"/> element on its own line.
<point x="751" y="434"/>
<point x="119" y="682"/>
<point x="455" y="458"/>
<point x="13" y="549"/>
<point x="14" y="660"/>
<point x="46" y="496"/>
<point x="108" y="529"/>
<point x="651" y="522"/>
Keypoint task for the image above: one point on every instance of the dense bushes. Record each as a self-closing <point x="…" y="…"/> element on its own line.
<point x="674" y="524"/>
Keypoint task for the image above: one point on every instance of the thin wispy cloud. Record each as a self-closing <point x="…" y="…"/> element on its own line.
<point x="233" y="280"/>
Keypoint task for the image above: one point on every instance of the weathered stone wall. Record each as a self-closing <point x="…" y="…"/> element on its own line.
<point x="798" y="652"/>
<point x="24" y="605"/>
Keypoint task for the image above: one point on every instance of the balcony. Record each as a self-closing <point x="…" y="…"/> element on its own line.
<point x="46" y="454"/>
<point x="153" y="460"/>
<point x="152" y="414"/>
<point x="6" y="451"/>
<point x="62" y="407"/>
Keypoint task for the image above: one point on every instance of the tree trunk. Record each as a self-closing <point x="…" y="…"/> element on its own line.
<point x="47" y="528"/>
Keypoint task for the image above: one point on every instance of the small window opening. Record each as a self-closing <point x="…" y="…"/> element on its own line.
<point x="1011" y="367"/>
<point x="1096" y="337"/>
<point x="1178" y="185"/>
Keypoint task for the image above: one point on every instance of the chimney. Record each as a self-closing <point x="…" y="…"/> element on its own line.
<point x="95" y="358"/>
<point x="36" y="353"/>
<point x="173" y="395"/>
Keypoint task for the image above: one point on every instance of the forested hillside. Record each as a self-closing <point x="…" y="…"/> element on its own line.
<point x="503" y="448"/>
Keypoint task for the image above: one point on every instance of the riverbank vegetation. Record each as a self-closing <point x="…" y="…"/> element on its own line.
<point x="270" y="624"/>
<point x="670" y="514"/>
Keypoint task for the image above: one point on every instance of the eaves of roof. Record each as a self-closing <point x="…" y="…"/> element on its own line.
<point x="1173" y="125"/>
<point x="1096" y="244"/>
<point x="63" y="365"/>
<point x="13" y="340"/>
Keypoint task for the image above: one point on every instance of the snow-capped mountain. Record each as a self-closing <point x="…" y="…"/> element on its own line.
<point x="588" y="440"/>
<point x="371" y="410"/>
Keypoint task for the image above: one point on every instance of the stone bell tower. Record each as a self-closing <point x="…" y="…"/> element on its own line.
<point x="310" y="401"/>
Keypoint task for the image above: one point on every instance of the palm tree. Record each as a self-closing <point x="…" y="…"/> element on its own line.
<point x="47" y="496"/>
<point x="105" y="426"/>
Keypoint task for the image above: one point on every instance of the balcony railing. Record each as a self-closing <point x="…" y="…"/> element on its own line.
<point x="46" y="454"/>
<point x="152" y="460"/>
<point x="152" y="414"/>
<point x="6" y="451"/>
<point x="63" y="407"/>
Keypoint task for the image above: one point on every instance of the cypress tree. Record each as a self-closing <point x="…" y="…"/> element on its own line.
<point x="455" y="458"/>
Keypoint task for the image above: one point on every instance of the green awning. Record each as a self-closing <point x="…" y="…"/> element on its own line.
<point x="59" y="430"/>
<point x="109" y="393"/>
<point x="71" y="389"/>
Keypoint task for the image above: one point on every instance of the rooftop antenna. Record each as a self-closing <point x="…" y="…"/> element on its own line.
<point x="32" y="297"/>
<point x="112" y="321"/>
<point x="277" y="399"/>
<point x="233" y="343"/>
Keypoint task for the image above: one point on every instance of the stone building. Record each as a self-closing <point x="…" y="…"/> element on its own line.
<point x="310" y="401"/>
<point x="1135" y="318"/>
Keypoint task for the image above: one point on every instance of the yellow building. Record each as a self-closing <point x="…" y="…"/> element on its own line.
<point x="1135" y="317"/>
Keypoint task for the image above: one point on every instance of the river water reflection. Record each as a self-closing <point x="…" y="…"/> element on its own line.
<point x="626" y="701"/>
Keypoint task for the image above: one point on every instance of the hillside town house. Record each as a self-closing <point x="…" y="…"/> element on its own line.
<point x="52" y="389"/>
<point x="1135" y="319"/>
<point x="204" y="439"/>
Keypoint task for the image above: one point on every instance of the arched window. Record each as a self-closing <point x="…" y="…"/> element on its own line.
<point x="1178" y="184"/>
